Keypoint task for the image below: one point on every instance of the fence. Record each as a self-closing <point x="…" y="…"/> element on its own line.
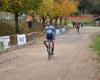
<point x="9" y="43"/>
<point x="62" y="30"/>
<point x="16" y="42"/>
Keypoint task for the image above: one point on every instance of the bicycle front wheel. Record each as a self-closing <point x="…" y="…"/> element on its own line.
<point x="49" y="53"/>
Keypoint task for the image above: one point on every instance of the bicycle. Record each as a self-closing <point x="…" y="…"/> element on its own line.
<point x="49" y="50"/>
<point x="78" y="27"/>
<point x="78" y="31"/>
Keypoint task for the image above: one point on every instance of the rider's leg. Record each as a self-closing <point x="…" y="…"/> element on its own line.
<point x="52" y="44"/>
<point x="45" y="43"/>
<point x="52" y="47"/>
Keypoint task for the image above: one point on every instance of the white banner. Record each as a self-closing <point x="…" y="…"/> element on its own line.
<point x="70" y="25"/>
<point x="57" y="31"/>
<point x="6" y="41"/>
<point x="21" y="39"/>
<point x="63" y="29"/>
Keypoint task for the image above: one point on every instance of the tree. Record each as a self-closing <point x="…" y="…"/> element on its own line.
<point x="85" y="6"/>
<point x="17" y="7"/>
<point x="88" y="6"/>
<point x="33" y="5"/>
<point x="45" y="10"/>
<point x="56" y="8"/>
<point x="66" y="8"/>
<point x="96" y="7"/>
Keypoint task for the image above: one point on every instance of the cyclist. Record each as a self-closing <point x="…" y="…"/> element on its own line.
<point x="78" y="27"/>
<point x="50" y="35"/>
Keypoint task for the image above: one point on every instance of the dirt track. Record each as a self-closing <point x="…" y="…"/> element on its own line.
<point x="72" y="61"/>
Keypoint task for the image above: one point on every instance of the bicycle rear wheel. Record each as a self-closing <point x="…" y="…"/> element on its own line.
<point x="78" y="31"/>
<point x="49" y="52"/>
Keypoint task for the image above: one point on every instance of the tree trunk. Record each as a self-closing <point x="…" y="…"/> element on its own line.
<point x="65" y="23"/>
<point x="33" y="16"/>
<point x="60" y="20"/>
<point x="16" y="22"/>
<point x="40" y="20"/>
<point x="85" y="12"/>
<point x="51" y="21"/>
<point x="56" y="19"/>
<point x="43" y="20"/>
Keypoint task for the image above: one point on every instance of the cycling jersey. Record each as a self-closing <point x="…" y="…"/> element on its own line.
<point x="49" y="32"/>
<point x="49" y="29"/>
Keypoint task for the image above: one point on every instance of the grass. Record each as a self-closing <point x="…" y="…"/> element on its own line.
<point x="8" y="27"/>
<point x="96" y="44"/>
<point x="89" y="23"/>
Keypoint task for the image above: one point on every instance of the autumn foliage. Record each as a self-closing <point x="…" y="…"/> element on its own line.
<point x="57" y="8"/>
<point x="52" y="9"/>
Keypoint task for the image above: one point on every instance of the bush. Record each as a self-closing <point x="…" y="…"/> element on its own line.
<point x="6" y="29"/>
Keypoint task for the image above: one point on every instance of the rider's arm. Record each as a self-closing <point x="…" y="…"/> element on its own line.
<point x="45" y="33"/>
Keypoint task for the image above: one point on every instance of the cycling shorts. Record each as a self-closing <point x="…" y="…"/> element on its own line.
<point x="50" y="37"/>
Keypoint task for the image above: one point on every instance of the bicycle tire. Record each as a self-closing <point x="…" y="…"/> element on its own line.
<point x="49" y="52"/>
<point x="78" y="31"/>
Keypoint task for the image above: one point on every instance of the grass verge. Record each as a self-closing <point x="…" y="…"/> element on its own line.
<point x="96" y="44"/>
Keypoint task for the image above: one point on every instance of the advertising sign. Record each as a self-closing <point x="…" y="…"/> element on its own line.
<point x="21" y="39"/>
<point x="57" y="31"/>
<point x="5" y="42"/>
